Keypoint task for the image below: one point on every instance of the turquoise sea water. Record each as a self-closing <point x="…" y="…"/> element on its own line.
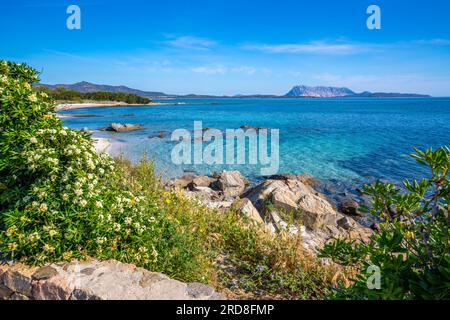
<point x="347" y="141"/>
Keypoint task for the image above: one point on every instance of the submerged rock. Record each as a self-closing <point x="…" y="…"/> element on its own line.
<point x="160" y="135"/>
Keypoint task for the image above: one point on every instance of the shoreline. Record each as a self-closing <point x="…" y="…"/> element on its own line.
<point x="104" y="104"/>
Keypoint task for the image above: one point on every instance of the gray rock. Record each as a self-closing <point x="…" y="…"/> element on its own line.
<point x="18" y="282"/>
<point x="349" y="206"/>
<point x="44" y="273"/>
<point x="5" y="292"/>
<point x="122" y="127"/>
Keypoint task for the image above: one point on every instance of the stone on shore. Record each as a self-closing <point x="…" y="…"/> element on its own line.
<point x="316" y="212"/>
<point x="284" y="199"/>
<point x="202" y="181"/>
<point x="231" y="183"/>
<point x="349" y="206"/>
<point x="245" y="207"/>
<point x="95" y="280"/>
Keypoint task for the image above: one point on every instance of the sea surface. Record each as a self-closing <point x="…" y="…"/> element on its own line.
<point x="348" y="142"/>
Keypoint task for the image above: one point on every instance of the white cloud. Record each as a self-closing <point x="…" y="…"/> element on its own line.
<point x="220" y="69"/>
<point x="190" y="42"/>
<point x="316" y="47"/>
<point x="435" y="42"/>
<point x="210" y="70"/>
<point x="244" y="69"/>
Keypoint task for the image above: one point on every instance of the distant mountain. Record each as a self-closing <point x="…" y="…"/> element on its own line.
<point x="85" y="86"/>
<point x="333" y="92"/>
<point x="296" y="92"/>
<point x="319" y="92"/>
<point x="367" y="94"/>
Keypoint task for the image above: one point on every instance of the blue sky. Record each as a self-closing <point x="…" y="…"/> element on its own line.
<point x="234" y="47"/>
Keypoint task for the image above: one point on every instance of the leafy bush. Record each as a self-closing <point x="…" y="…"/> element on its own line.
<point x="411" y="248"/>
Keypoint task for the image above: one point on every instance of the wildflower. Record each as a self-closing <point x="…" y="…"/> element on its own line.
<point x="128" y="220"/>
<point x="11" y="231"/>
<point x="142" y="249"/>
<point x="32" y="98"/>
<point x="78" y="192"/>
<point x="52" y="232"/>
<point x="116" y="227"/>
<point x="100" y="240"/>
<point x="67" y="255"/>
<point x="34" y="236"/>
<point x="48" y="248"/>
<point x="409" y="235"/>
<point x="43" y="207"/>
<point x="98" y="204"/>
<point x="154" y="253"/>
<point x="83" y="203"/>
<point x="33" y="140"/>
<point x="12" y="246"/>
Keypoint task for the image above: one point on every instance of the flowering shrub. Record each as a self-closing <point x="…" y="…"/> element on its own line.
<point x="59" y="199"/>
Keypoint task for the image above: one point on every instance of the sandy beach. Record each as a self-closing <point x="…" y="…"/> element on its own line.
<point x="103" y="104"/>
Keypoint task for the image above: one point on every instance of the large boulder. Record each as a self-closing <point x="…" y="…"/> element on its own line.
<point x="231" y="183"/>
<point x="316" y="212"/>
<point x="246" y="207"/>
<point x="262" y="191"/>
<point x="97" y="280"/>
<point x="284" y="199"/>
<point x="122" y="127"/>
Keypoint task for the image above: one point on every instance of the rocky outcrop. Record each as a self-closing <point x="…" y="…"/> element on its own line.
<point x="231" y="183"/>
<point x="95" y="280"/>
<point x="122" y="127"/>
<point x="268" y="202"/>
<point x="246" y="207"/>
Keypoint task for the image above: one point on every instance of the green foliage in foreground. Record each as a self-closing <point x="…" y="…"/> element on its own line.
<point x="60" y="200"/>
<point x="412" y="246"/>
<point x="63" y="94"/>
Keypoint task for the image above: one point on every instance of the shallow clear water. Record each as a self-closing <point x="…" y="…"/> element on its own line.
<point x="348" y="141"/>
